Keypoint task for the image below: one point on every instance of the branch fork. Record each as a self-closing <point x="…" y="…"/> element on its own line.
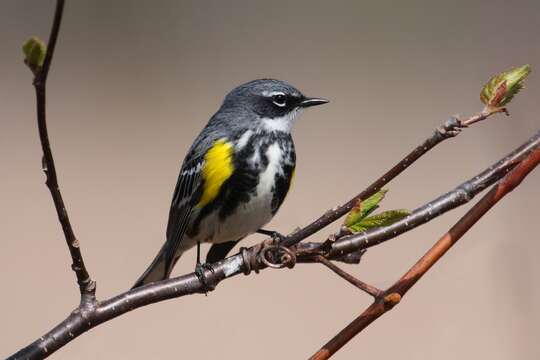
<point x="343" y="246"/>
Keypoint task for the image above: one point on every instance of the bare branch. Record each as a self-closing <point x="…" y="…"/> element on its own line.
<point x="393" y="295"/>
<point x="83" y="319"/>
<point x="451" y="128"/>
<point x="457" y="197"/>
<point x="347" y="248"/>
<point x="86" y="285"/>
<point x="370" y="289"/>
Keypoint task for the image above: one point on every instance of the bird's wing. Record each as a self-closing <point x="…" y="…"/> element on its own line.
<point x="210" y="165"/>
<point x="186" y="194"/>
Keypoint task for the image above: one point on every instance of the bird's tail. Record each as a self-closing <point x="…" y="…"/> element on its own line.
<point x="158" y="269"/>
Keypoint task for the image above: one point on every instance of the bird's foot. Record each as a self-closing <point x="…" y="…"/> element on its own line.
<point x="279" y="254"/>
<point x="199" y="272"/>
<point x="276" y="236"/>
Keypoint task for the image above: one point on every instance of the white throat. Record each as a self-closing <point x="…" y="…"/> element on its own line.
<point x="283" y="124"/>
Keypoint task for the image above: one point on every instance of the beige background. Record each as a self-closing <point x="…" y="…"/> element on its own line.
<point x="134" y="81"/>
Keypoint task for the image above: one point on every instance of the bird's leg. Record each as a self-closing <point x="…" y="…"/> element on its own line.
<point x="198" y="253"/>
<point x="199" y="270"/>
<point x="278" y="237"/>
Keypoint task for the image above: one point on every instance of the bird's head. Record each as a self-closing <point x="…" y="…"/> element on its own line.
<point x="274" y="103"/>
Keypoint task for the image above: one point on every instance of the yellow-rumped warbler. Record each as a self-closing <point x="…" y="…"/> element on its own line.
<point x="236" y="174"/>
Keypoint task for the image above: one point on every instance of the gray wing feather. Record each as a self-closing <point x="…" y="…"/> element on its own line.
<point x="189" y="186"/>
<point x="186" y="195"/>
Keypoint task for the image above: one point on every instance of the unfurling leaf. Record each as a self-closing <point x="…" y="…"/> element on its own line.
<point x="501" y="88"/>
<point x="364" y="208"/>
<point x="383" y="219"/>
<point x="34" y="53"/>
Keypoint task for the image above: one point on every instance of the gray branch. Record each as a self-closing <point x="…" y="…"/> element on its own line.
<point x="94" y="313"/>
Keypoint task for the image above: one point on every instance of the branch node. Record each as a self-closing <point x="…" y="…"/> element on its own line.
<point x="277" y="256"/>
<point x="270" y="253"/>
<point x="451" y="127"/>
<point x="391" y="300"/>
<point x="88" y="288"/>
<point x="88" y="298"/>
<point x="249" y="260"/>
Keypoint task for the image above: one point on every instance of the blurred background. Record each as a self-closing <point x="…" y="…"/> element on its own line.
<point x="132" y="84"/>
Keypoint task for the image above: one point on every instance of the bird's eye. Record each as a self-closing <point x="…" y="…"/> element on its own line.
<point x="279" y="99"/>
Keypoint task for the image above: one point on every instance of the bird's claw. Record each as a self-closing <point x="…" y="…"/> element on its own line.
<point x="199" y="272"/>
<point x="277" y="237"/>
<point x="277" y="242"/>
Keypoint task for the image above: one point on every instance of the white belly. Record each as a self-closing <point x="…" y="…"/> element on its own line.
<point x="249" y="216"/>
<point x="246" y="219"/>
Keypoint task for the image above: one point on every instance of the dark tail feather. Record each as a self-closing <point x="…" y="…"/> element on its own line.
<point x="158" y="270"/>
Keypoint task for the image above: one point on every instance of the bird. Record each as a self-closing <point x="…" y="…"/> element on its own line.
<point x="235" y="176"/>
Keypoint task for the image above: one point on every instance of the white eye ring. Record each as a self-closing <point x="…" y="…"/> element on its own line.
<point x="279" y="99"/>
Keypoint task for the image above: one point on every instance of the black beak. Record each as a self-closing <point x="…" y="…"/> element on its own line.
<point x="307" y="102"/>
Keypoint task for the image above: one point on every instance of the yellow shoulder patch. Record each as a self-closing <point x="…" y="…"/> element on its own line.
<point x="218" y="167"/>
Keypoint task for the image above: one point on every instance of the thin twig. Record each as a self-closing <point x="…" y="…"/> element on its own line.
<point x="484" y="114"/>
<point x="393" y="295"/>
<point x="370" y="289"/>
<point x="91" y="313"/>
<point x="452" y="199"/>
<point x="86" y="285"/>
<point x="449" y="129"/>
<point x="81" y="320"/>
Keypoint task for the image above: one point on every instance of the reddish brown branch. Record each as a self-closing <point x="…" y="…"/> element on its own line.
<point x="393" y="295"/>
<point x="91" y="313"/>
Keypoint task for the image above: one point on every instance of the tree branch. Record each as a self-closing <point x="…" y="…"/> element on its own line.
<point x="254" y="258"/>
<point x="369" y="289"/>
<point x="457" y="197"/>
<point x="86" y="285"/>
<point x="347" y="248"/>
<point x="451" y="128"/>
<point x="392" y="296"/>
